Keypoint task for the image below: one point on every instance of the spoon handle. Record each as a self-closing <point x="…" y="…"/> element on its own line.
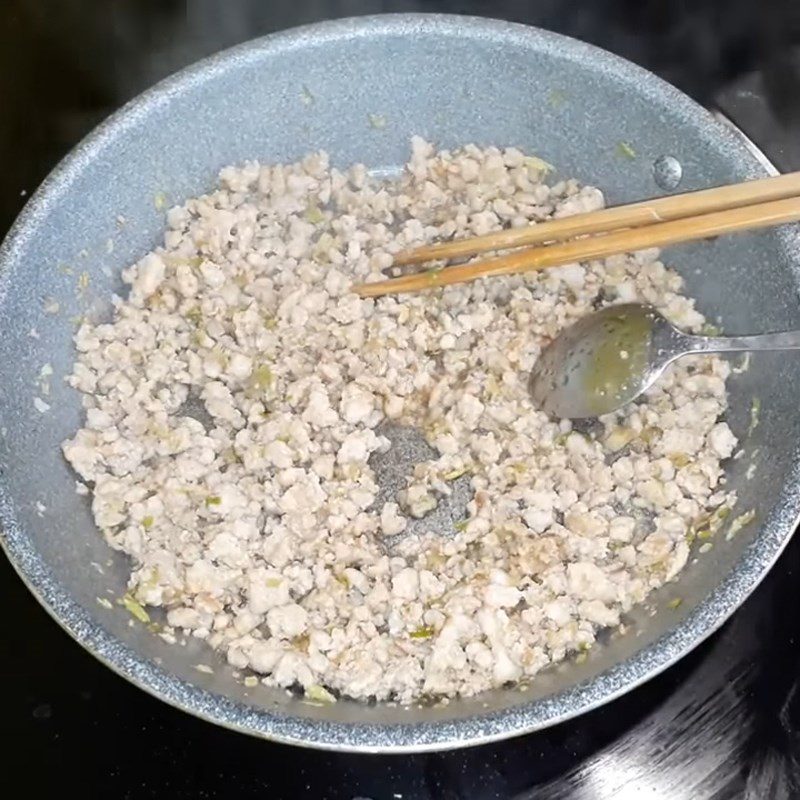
<point x="785" y="340"/>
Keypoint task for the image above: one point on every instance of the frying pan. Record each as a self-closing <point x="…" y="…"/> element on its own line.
<point x="452" y="80"/>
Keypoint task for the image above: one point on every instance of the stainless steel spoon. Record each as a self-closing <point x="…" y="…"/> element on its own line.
<point x="608" y="358"/>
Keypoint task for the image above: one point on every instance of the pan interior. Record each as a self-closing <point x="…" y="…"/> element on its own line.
<point x="453" y="81"/>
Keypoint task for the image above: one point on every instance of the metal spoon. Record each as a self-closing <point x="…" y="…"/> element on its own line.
<point x="608" y="358"/>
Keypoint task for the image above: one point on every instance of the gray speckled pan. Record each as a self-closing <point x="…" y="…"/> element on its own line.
<point x="454" y="80"/>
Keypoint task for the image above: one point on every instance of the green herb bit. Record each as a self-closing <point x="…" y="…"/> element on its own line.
<point x="152" y="581"/>
<point x="563" y="438"/>
<point x="755" y="415"/>
<point x="135" y="609"/>
<point x="461" y="526"/>
<point x="704" y="527"/>
<point x="650" y="434"/>
<point x="319" y="694"/>
<point x="710" y="329"/>
<point x="618" y="438"/>
<point x="220" y="356"/>
<point x="314" y="215"/>
<point x="740" y="522"/>
<point x="301" y="642"/>
<point x="105" y="602"/>
<point x="455" y="474"/>
<point x="306" y="98"/>
<point x="679" y="460"/>
<point x="539" y="164"/>
<point x="433" y="274"/>
<point x="423" y="632"/>
<point x="213" y="500"/>
<point x="624" y="150"/>
<point x="262" y="378"/>
<point x="230" y="456"/>
<point x="194" y="315"/>
<point x="147" y="523"/>
<point x="674" y="603"/>
<point x="183" y="261"/>
<point x="744" y="364"/>
<point x="376" y="121"/>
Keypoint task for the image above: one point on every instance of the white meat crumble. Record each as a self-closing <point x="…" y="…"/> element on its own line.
<point x="237" y="402"/>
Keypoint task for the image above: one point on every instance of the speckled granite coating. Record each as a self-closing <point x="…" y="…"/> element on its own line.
<point x="451" y="80"/>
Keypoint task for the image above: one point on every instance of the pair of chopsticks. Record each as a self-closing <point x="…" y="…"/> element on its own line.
<point x="651" y="223"/>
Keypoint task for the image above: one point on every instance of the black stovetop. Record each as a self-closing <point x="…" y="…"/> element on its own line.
<point x="724" y="723"/>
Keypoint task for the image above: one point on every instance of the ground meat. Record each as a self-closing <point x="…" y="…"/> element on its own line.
<point x="236" y="401"/>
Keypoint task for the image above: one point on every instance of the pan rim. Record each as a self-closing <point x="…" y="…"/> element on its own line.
<point x="526" y="717"/>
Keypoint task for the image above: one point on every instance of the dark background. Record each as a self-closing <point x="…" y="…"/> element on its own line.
<point x="66" y="64"/>
<point x="723" y="724"/>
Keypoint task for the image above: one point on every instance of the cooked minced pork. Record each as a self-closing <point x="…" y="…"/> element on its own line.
<point x="237" y="402"/>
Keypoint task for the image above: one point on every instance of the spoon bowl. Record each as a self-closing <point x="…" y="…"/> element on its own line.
<point x="608" y="359"/>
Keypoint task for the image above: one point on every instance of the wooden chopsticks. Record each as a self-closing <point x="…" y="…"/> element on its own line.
<point x="652" y="223"/>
